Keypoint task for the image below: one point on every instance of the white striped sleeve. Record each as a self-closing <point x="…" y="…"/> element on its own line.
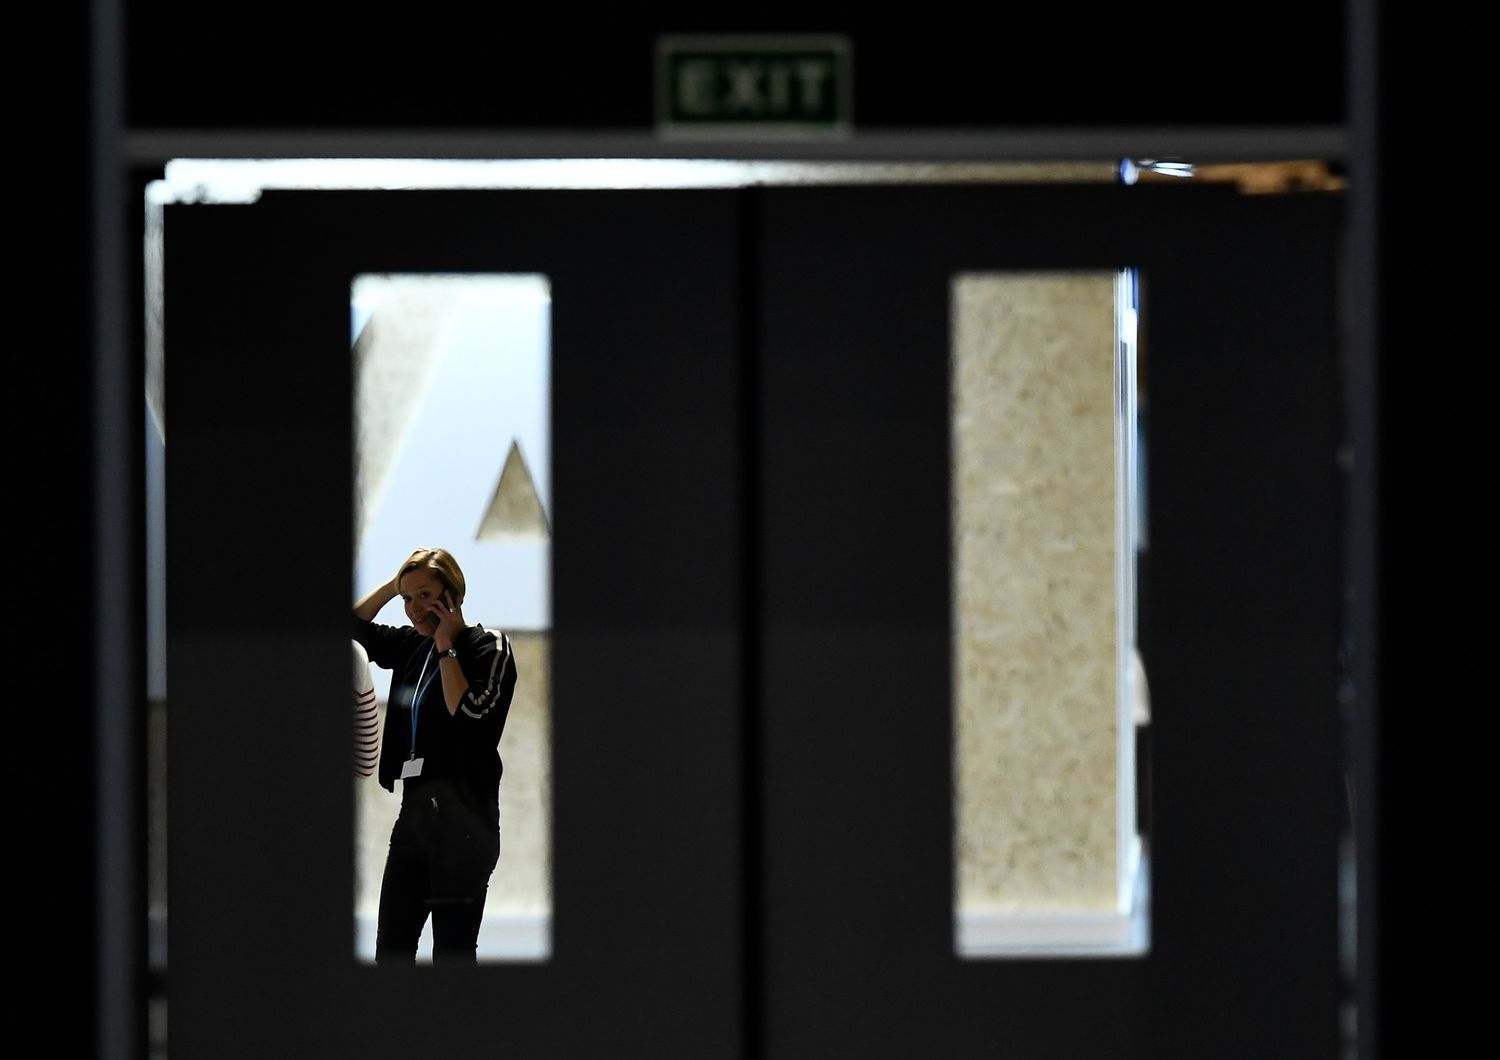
<point x="366" y="717"/>
<point x="366" y="734"/>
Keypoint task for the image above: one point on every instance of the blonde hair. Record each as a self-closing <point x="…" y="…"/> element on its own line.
<point x="441" y="563"/>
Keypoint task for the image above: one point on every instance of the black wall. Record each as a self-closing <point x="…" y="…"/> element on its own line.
<point x="447" y="65"/>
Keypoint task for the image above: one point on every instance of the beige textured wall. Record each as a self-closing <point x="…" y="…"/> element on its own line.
<point x="1035" y="594"/>
<point x="522" y="883"/>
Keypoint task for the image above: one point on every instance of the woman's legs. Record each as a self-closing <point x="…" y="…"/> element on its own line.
<point x="403" y="894"/>
<point x="464" y="860"/>
<point x="440" y="861"/>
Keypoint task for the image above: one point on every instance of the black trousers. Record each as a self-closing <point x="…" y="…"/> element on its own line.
<point x="441" y="857"/>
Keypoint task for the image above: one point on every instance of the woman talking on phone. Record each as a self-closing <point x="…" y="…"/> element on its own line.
<point x="451" y="688"/>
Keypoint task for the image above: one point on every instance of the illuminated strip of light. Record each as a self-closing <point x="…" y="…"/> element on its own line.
<point x="194" y="180"/>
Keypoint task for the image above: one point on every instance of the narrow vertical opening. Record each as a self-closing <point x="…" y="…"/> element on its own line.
<point x="1049" y="689"/>
<point x="452" y="451"/>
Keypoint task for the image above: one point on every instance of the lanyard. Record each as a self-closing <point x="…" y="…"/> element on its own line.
<point x="416" y="700"/>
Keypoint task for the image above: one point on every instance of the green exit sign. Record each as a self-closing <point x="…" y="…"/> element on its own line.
<point x="737" y="85"/>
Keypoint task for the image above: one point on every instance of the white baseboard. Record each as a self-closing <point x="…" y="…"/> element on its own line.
<point x="1124" y="932"/>
<point x="976" y="935"/>
<point x="525" y="937"/>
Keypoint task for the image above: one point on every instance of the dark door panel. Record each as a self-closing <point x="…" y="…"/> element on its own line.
<point x="647" y="891"/>
<point x="1240" y="637"/>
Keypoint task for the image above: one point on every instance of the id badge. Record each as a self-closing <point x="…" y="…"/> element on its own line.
<point x="412" y="767"/>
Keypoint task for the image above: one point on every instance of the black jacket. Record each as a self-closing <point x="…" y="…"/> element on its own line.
<point x="463" y="747"/>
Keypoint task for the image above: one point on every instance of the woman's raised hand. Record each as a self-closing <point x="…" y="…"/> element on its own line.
<point x="449" y="615"/>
